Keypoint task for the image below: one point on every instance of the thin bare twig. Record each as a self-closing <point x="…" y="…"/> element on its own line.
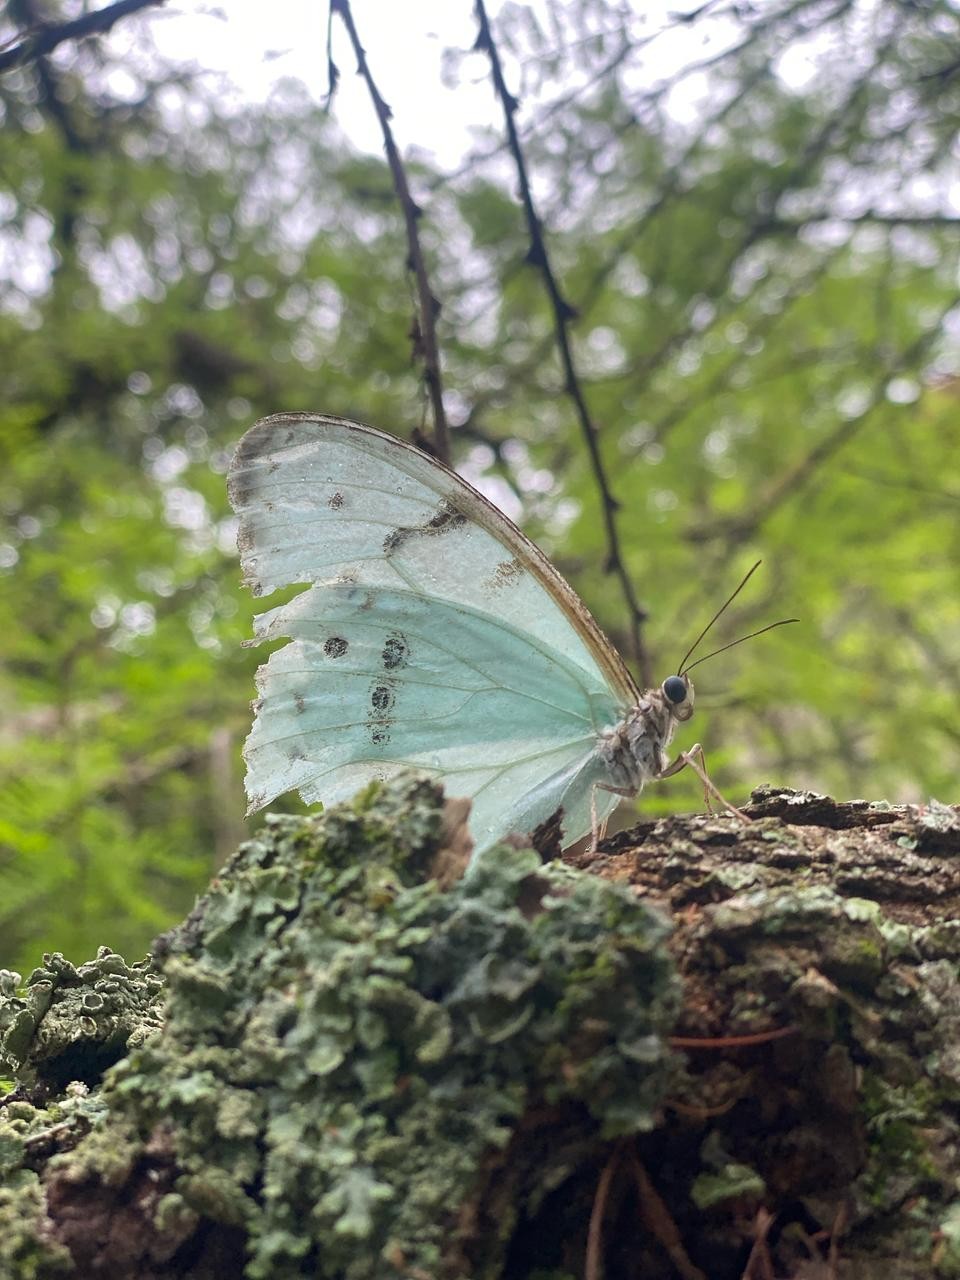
<point x="631" y="47"/>
<point x="425" y="334"/>
<point x="870" y="217"/>
<point x="657" y="1218"/>
<point x="44" y="37"/>
<point x="593" y="1264"/>
<point x="333" y="71"/>
<point x="759" y="1265"/>
<point x="670" y="190"/>
<point x="563" y="314"/>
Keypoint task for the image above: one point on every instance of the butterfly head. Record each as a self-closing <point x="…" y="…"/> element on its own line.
<point x="678" y="696"/>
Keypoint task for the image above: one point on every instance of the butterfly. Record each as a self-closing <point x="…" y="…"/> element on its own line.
<point x="432" y="635"/>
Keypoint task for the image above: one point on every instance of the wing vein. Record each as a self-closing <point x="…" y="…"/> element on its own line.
<point x="570" y="669"/>
<point x="498" y="770"/>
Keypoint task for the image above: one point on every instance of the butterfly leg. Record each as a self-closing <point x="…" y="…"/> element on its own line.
<point x="695" y="760"/>
<point x="599" y="829"/>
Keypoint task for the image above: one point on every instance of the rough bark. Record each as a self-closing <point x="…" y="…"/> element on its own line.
<point x="706" y="1050"/>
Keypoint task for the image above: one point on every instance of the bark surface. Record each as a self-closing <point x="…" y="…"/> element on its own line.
<point x="707" y="1050"/>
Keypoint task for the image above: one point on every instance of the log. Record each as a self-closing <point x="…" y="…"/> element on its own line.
<point x="705" y="1050"/>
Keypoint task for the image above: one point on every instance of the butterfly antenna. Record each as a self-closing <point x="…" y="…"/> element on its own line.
<point x="726" y="604"/>
<point x="784" y="622"/>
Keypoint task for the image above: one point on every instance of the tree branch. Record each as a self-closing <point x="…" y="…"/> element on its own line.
<point x="425" y="334"/>
<point x="563" y="314"/>
<point x="869" y="217"/>
<point x="44" y="37"/>
<point x="794" y="478"/>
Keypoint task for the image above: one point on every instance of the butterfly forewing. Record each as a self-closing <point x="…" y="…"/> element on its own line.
<point x="434" y="634"/>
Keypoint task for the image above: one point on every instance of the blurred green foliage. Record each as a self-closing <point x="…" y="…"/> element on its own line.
<point x="765" y="268"/>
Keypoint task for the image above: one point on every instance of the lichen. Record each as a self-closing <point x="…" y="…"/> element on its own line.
<point x="373" y="1068"/>
<point x="62" y="1027"/>
<point x="731" y="1182"/>
<point x="26" y="1252"/>
<point x="346" y="1043"/>
<point x="947" y="1256"/>
<point x="27" y="1249"/>
<point x="69" y="1023"/>
<point x="877" y="1117"/>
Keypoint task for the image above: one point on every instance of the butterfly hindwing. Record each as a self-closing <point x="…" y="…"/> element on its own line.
<point x="431" y="635"/>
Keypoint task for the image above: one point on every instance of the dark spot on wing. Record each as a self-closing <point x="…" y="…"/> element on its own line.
<point x="275" y="466"/>
<point x="335" y="647"/>
<point x="382" y="698"/>
<point x="300" y="704"/>
<point x="336" y="502"/>
<point x="506" y="573"/>
<point x="446" y="518"/>
<point x="395" y="651"/>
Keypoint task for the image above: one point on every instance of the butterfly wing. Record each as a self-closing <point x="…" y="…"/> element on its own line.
<point x="433" y="634"/>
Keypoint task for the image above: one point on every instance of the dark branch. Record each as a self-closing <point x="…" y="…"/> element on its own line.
<point x="563" y="313"/>
<point x="424" y="329"/>
<point x="43" y="38"/>
<point x="333" y="71"/>
<point x="869" y="217"/>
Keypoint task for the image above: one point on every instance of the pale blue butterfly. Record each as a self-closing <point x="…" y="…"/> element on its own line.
<point x="434" y="635"/>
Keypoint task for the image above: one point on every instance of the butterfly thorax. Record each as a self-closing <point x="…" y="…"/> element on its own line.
<point x="635" y="749"/>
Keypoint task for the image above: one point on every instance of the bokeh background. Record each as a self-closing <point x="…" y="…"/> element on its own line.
<point x="754" y="209"/>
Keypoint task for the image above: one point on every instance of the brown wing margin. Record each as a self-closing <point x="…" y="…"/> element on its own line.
<point x="474" y="506"/>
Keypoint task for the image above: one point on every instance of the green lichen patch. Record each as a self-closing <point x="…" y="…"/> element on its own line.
<point x="860" y="1117"/>
<point x="346" y="1045"/>
<point x="70" y="1023"/>
<point x="723" y="1180"/>
<point x="28" y="1134"/>
<point x="947" y="1253"/>
<point x="365" y="1074"/>
<point x="26" y="1250"/>
<point x="731" y="1182"/>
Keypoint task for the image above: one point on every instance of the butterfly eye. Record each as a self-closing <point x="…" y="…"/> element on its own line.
<point x="675" y="688"/>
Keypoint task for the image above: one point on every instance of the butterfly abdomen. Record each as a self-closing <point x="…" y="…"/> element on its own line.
<point x="635" y="749"/>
